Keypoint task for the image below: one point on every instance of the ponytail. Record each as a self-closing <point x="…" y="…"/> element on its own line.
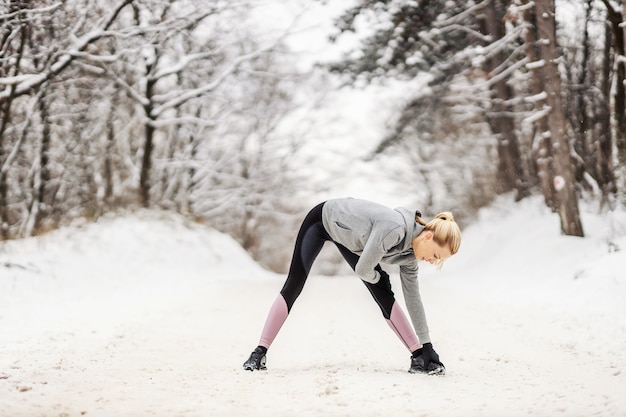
<point x="418" y="218"/>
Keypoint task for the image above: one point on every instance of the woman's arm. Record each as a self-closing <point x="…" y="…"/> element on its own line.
<point x="380" y="240"/>
<point x="413" y="300"/>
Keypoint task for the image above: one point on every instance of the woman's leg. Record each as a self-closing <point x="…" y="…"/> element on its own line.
<point x="309" y="243"/>
<point x="396" y="319"/>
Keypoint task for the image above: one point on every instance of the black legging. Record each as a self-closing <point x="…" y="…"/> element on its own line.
<point x="309" y="243"/>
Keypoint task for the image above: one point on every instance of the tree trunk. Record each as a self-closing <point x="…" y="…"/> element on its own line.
<point x="5" y="109"/>
<point x="4" y="155"/>
<point x="146" y="164"/>
<point x="620" y="89"/>
<point x="42" y="209"/>
<point x="192" y="181"/>
<point x="579" y="113"/>
<point x="564" y="181"/>
<point x="108" y="154"/>
<point x="604" y="143"/>
<point x="146" y="161"/>
<point x="615" y="19"/>
<point x="510" y="173"/>
<point x="541" y="143"/>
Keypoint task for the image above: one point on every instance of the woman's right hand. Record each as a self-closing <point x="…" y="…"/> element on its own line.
<point x="431" y="358"/>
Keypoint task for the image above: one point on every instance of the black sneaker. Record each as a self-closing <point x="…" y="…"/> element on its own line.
<point x="417" y="366"/>
<point x="255" y="361"/>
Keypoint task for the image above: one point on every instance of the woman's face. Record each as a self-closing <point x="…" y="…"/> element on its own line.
<point x="425" y="249"/>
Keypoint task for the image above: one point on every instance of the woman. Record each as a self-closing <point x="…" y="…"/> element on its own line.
<point x="367" y="233"/>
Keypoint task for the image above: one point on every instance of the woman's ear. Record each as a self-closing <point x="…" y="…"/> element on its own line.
<point x="428" y="235"/>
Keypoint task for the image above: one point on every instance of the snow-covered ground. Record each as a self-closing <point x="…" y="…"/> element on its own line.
<point x="151" y="315"/>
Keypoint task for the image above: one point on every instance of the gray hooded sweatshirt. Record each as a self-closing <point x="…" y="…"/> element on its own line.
<point x="379" y="234"/>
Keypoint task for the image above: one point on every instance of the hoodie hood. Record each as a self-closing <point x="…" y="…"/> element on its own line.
<point x="413" y="228"/>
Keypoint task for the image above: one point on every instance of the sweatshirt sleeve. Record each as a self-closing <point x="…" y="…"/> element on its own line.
<point x="378" y="243"/>
<point x="413" y="300"/>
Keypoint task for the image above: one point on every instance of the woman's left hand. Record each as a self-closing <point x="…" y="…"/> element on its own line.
<point x="384" y="281"/>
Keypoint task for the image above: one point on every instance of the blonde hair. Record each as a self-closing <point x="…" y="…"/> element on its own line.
<point x="446" y="231"/>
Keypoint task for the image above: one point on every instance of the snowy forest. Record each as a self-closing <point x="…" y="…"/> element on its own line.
<point x="203" y="108"/>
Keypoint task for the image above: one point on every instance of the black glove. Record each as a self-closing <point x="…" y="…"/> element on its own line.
<point x="425" y="360"/>
<point x="429" y="355"/>
<point x="384" y="282"/>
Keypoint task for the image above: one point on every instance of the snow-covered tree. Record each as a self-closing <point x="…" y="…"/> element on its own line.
<point x="483" y="63"/>
<point x="141" y="101"/>
<point x="552" y="137"/>
<point x="40" y="41"/>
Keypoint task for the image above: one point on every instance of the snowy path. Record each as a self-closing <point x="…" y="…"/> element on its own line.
<point x="160" y="339"/>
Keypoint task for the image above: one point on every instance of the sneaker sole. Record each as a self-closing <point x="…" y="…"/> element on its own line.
<point x="440" y="370"/>
<point x="252" y="368"/>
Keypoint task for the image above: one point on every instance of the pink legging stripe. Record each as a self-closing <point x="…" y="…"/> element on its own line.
<point x="275" y="319"/>
<point x="402" y="328"/>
